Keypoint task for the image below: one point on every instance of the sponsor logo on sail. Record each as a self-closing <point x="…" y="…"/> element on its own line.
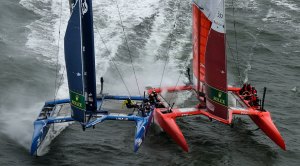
<point x="77" y="100"/>
<point x="217" y="96"/>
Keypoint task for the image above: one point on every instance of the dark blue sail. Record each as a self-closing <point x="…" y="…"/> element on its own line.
<point x="89" y="55"/>
<point x="74" y="64"/>
<point x="80" y="60"/>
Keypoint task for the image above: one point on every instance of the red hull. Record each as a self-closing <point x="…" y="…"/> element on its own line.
<point x="166" y="120"/>
<point x="262" y="119"/>
<point x="168" y="124"/>
<point x="265" y="123"/>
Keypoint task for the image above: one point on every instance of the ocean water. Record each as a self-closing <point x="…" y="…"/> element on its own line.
<point x="32" y="70"/>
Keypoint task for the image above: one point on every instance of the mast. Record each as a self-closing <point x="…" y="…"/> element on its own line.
<point x="89" y="55"/>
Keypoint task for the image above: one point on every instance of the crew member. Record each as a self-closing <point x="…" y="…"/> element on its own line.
<point x="129" y="104"/>
<point x="243" y="89"/>
<point x="142" y="109"/>
<point x="254" y="100"/>
<point x="153" y="97"/>
<point x="249" y="88"/>
<point x="254" y="91"/>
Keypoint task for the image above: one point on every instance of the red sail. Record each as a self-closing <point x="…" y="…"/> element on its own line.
<point x="215" y="67"/>
<point x="201" y="27"/>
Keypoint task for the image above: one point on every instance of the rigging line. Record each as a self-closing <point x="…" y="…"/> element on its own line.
<point x="170" y="43"/>
<point x="125" y="36"/>
<point x="235" y="62"/>
<point x="113" y="60"/>
<point x="61" y="78"/>
<point x="58" y="42"/>
<point x="171" y="98"/>
<point x="120" y="76"/>
<point x="236" y="46"/>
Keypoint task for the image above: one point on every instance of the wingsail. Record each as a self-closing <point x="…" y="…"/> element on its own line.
<point x="209" y="61"/>
<point x="80" y="62"/>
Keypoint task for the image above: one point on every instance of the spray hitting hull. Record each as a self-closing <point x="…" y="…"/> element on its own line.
<point x="44" y="132"/>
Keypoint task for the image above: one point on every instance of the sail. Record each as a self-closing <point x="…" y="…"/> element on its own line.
<point x="215" y="66"/>
<point x="201" y="27"/>
<point x="79" y="57"/>
<point x="89" y="55"/>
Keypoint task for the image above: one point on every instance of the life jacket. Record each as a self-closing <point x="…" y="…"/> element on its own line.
<point x="253" y="98"/>
<point x="249" y="88"/>
<point x="129" y="103"/>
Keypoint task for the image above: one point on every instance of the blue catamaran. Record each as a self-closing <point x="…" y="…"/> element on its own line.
<point x="84" y="105"/>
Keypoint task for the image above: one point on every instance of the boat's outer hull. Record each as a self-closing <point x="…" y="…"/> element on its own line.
<point x="265" y="123"/>
<point x="40" y="131"/>
<point x="142" y="128"/>
<point x="168" y="123"/>
<point x="261" y="118"/>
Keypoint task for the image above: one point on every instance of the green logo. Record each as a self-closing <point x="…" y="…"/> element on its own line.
<point x="77" y="100"/>
<point x="217" y="96"/>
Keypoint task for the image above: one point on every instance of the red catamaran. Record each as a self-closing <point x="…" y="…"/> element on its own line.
<point x="210" y="80"/>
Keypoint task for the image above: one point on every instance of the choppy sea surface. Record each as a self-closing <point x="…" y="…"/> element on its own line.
<point x="32" y="69"/>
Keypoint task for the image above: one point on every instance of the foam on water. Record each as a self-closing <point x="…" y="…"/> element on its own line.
<point x="277" y="16"/>
<point x="286" y="3"/>
<point x="246" y="4"/>
<point x="148" y="68"/>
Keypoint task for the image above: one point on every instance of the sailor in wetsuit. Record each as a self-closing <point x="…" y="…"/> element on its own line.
<point x="153" y="97"/>
<point x="254" y="98"/>
<point x="154" y="101"/>
<point x="129" y="104"/>
<point x="243" y="89"/>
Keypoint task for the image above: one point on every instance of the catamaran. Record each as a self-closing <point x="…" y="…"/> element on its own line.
<point x="210" y="80"/>
<point x="84" y="105"/>
<point x="209" y="83"/>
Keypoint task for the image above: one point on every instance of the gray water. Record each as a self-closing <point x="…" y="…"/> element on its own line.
<point x="267" y="33"/>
